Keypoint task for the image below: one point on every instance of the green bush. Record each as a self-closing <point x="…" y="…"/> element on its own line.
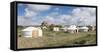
<point x="80" y="42"/>
<point x="19" y="35"/>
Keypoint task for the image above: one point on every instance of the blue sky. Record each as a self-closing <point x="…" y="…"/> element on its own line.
<point x="31" y="14"/>
<point x="62" y="10"/>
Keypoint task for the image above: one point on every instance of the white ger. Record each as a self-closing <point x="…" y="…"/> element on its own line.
<point x="32" y="32"/>
<point x="83" y="29"/>
<point x="72" y="29"/>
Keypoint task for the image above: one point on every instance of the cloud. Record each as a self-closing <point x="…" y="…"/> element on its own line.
<point x="38" y="7"/>
<point x="66" y="19"/>
<point x="23" y="21"/>
<point x="55" y="18"/>
<point x="84" y="16"/>
<point x="20" y="4"/>
<point x="56" y="9"/>
<point x="31" y="12"/>
<point x="49" y="19"/>
<point x="77" y="16"/>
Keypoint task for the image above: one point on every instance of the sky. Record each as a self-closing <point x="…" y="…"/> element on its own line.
<point x="35" y="14"/>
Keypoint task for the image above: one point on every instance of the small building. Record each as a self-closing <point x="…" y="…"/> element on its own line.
<point x="55" y="28"/>
<point x="83" y="29"/>
<point x="72" y="29"/>
<point x="32" y="32"/>
<point x="91" y="28"/>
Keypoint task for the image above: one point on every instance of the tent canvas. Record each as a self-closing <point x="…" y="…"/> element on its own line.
<point x="32" y="32"/>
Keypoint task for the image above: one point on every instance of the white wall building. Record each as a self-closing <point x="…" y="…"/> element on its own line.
<point x="55" y="28"/>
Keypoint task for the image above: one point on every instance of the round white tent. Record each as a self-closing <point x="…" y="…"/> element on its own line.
<point x="72" y="29"/>
<point x="32" y="32"/>
<point x="84" y="29"/>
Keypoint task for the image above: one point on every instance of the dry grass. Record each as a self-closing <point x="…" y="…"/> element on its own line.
<point x="54" y="39"/>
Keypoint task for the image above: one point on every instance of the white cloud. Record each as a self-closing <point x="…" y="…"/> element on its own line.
<point x="49" y="19"/>
<point x="54" y="14"/>
<point x="55" y="19"/>
<point x="23" y="21"/>
<point x="84" y="16"/>
<point x="20" y="4"/>
<point x="31" y="11"/>
<point x="39" y="7"/>
<point x="78" y="16"/>
<point x="56" y="9"/>
<point x="66" y="19"/>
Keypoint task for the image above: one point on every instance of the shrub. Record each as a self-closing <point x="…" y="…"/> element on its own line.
<point x="80" y="42"/>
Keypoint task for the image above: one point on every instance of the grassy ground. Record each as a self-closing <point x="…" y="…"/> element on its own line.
<point x="54" y="39"/>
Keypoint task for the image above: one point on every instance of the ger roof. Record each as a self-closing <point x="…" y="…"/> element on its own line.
<point x="29" y="29"/>
<point x="84" y="28"/>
